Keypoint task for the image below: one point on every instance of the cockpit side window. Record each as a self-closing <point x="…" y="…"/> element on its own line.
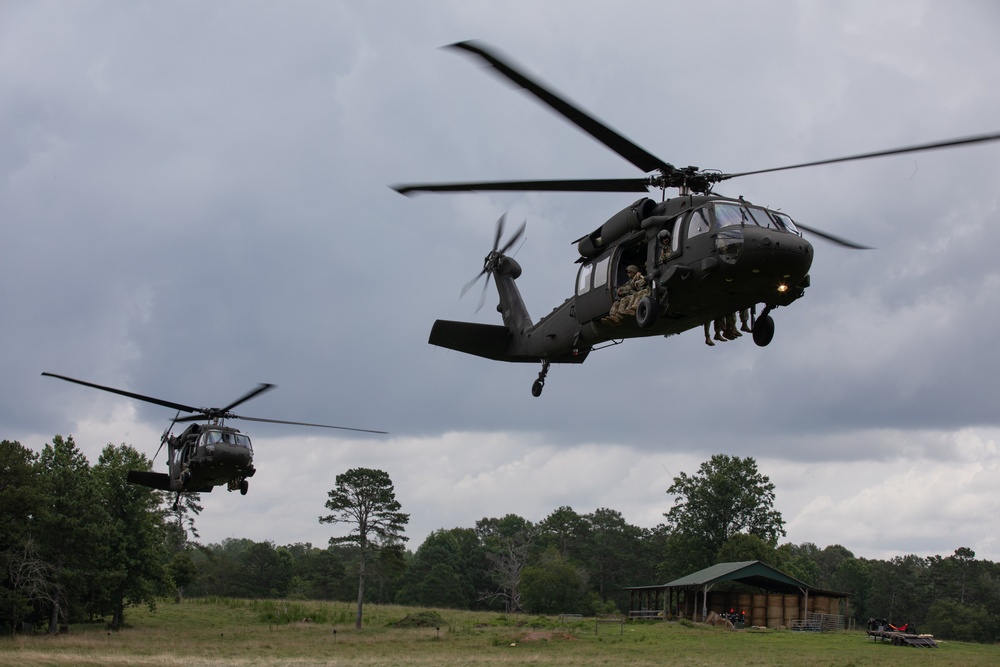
<point x="786" y="222"/>
<point x="698" y="223"/>
<point x="243" y="441"/>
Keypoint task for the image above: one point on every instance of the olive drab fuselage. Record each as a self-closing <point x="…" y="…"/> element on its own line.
<point x="724" y="255"/>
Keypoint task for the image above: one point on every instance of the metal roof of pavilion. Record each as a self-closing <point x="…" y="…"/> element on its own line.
<point x="749" y="572"/>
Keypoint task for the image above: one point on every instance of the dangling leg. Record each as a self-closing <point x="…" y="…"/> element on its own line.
<point x="731" y="333"/>
<point x="708" y="336"/>
<point x="720" y="325"/>
<point x="744" y="318"/>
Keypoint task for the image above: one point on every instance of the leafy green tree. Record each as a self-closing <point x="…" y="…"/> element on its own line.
<point x="72" y="530"/>
<point x="133" y="573"/>
<point x="744" y="547"/>
<point x="728" y="495"/>
<point x="800" y="561"/>
<point x="365" y="499"/>
<point x="949" y="619"/>
<point x="182" y="527"/>
<point x="828" y="560"/>
<point x="900" y="590"/>
<point x="22" y="575"/>
<point x="267" y="571"/>
<point x="565" y="530"/>
<point x="182" y="571"/>
<point x="318" y="573"/>
<point x="385" y="573"/>
<point x="613" y="554"/>
<point x="854" y="576"/>
<point x="445" y="571"/>
<point x="554" y="585"/>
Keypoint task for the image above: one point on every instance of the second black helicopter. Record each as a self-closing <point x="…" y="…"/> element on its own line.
<point x="203" y="455"/>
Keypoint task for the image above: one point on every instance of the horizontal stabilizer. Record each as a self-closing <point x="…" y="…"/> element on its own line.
<point x="491" y="341"/>
<point x="154" y="480"/>
<point x="482" y="340"/>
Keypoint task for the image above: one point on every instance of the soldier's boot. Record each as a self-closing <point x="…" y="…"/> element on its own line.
<point x="744" y="326"/>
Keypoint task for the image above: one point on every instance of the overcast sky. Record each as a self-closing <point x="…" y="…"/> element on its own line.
<point x="193" y="199"/>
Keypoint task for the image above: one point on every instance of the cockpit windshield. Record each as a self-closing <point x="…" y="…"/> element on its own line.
<point x="727" y="215"/>
<point x="227" y="437"/>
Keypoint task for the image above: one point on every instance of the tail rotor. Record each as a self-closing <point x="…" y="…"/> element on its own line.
<point x="493" y="259"/>
<point x="166" y="435"/>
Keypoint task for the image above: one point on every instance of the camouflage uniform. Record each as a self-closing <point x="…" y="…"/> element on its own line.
<point x="629" y="294"/>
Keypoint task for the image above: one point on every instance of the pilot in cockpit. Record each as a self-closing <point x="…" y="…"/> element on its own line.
<point x="665" y="248"/>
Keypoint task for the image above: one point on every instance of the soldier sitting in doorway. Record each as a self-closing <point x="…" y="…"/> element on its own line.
<point x="628" y="295"/>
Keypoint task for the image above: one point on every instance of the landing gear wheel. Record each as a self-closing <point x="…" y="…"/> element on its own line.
<point x="244" y="487"/>
<point x="539" y="384"/>
<point x="646" y="312"/>
<point x="763" y="330"/>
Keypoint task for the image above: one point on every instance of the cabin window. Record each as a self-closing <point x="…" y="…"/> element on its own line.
<point x="675" y="240"/>
<point x="601" y="274"/>
<point x="583" y="280"/>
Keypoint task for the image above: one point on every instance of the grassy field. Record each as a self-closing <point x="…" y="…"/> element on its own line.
<point x="239" y="633"/>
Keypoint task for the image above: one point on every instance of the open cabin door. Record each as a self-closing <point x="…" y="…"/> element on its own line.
<point x="598" y="280"/>
<point x="593" y="289"/>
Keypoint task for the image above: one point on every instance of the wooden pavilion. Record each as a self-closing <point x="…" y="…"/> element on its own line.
<point x="765" y="596"/>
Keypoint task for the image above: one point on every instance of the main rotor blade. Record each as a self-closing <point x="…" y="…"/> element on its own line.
<point x="839" y="240"/>
<point x="260" y="389"/>
<point x="589" y="124"/>
<point x="570" y="185"/>
<point x="129" y="394"/>
<point x="948" y="143"/>
<point x="280" y="421"/>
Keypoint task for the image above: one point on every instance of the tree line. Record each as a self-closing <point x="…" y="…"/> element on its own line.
<point x="77" y="543"/>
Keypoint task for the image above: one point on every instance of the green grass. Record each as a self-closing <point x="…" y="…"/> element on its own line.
<point x="238" y="633"/>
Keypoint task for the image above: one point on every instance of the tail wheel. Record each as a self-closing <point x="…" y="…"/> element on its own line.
<point x="244" y="487"/>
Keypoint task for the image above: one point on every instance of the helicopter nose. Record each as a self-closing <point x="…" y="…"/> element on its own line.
<point x="780" y="255"/>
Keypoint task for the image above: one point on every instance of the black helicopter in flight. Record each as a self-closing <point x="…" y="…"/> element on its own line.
<point x="682" y="263"/>
<point x="203" y="456"/>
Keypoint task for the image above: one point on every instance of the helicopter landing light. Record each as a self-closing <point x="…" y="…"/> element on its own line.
<point x="782" y="288"/>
